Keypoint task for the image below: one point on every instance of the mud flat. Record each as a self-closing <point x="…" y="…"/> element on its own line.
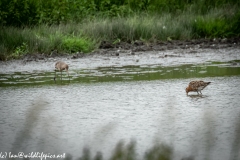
<point x="138" y="53"/>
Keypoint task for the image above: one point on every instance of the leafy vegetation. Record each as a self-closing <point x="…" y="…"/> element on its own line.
<point x="20" y="50"/>
<point x="80" y="25"/>
<point x="75" y="44"/>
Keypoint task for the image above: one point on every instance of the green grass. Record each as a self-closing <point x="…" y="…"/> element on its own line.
<point x="146" y="26"/>
<point x="77" y="44"/>
<point x="188" y="24"/>
<point x="15" y="42"/>
<point x="138" y="27"/>
<point x="216" y="23"/>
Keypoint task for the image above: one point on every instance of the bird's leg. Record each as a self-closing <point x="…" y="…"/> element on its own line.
<point x="54" y="77"/>
<point x="61" y="76"/>
<point x="200" y="92"/>
<point x="197" y="93"/>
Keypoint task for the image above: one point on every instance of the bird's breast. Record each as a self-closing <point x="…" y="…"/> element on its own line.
<point x="200" y="88"/>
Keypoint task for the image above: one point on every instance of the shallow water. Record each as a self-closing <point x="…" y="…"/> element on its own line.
<point x="125" y="73"/>
<point x="102" y="105"/>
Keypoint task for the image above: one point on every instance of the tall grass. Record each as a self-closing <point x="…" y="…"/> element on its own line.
<point x="132" y="28"/>
<point x="146" y="26"/>
<point x="186" y="24"/>
<point x="43" y="39"/>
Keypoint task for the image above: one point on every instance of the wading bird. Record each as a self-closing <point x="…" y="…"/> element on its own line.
<point x="196" y="86"/>
<point x="60" y="66"/>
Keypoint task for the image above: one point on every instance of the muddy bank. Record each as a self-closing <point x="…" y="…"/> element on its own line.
<point x="173" y="44"/>
<point x="110" y="49"/>
<point x="138" y="53"/>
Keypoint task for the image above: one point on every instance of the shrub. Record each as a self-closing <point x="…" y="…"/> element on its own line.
<point x="235" y="28"/>
<point x="20" y="51"/>
<point x="76" y="44"/>
<point x="210" y="27"/>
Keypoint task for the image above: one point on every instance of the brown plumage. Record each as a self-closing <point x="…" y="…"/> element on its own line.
<point x="196" y="86"/>
<point x="60" y="66"/>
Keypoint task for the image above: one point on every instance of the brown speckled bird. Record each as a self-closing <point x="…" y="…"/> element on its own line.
<point x="60" y="66"/>
<point x="196" y="86"/>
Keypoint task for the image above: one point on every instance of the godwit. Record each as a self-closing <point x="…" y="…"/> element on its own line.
<point x="196" y="86"/>
<point x="60" y="66"/>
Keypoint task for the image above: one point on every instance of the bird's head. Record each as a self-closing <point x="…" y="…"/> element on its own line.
<point x="66" y="67"/>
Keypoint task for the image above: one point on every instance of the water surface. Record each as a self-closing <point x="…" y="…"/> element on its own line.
<point x="125" y="73"/>
<point x="103" y="105"/>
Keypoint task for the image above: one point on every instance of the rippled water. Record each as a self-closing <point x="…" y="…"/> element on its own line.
<point x="103" y="105"/>
<point x="125" y="73"/>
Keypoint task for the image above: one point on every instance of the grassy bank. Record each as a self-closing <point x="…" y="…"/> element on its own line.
<point x="86" y="35"/>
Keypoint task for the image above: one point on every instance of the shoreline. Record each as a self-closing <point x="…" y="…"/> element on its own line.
<point x="139" y="53"/>
<point x="107" y="48"/>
